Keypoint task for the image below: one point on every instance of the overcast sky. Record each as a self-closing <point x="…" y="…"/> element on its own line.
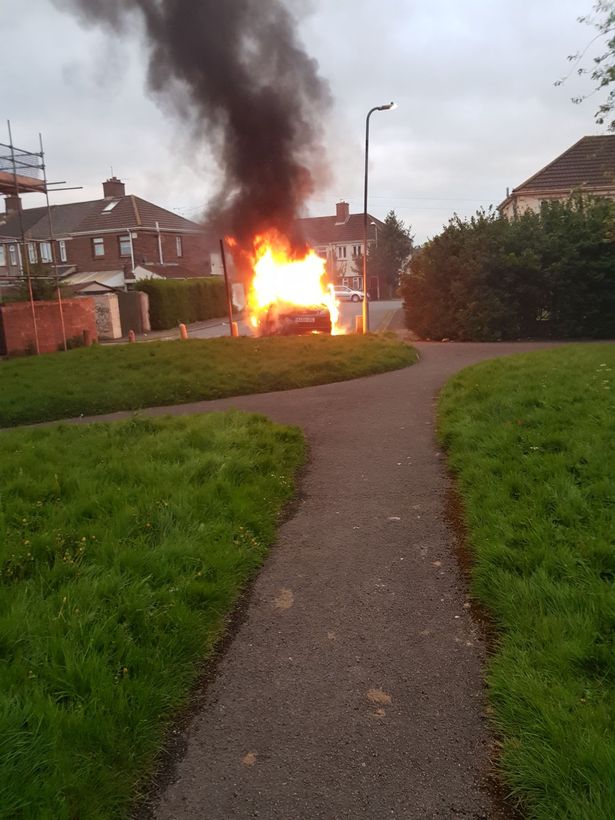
<point x="478" y="110"/>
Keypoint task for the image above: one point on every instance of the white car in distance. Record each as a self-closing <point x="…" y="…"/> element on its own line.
<point x="345" y="294"/>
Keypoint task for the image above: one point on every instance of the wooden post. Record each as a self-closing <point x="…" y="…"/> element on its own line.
<point x="183" y="331"/>
<point x="229" y="301"/>
<point x="131" y="336"/>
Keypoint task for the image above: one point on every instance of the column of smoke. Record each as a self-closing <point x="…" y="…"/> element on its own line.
<point x="236" y="73"/>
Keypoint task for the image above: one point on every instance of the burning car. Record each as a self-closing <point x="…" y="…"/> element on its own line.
<point x="292" y="320"/>
<point x="288" y="294"/>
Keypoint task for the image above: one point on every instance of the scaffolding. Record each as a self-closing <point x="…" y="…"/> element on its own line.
<point x="24" y="172"/>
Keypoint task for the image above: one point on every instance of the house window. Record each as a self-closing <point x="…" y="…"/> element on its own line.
<point x="356" y="283"/>
<point x="98" y="247"/>
<point x="357" y="250"/>
<point x="13" y="255"/>
<point x="45" y="251"/>
<point x="341" y="251"/>
<point x="32" y="253"/>
<point x="178" y="246"/>
<point x="62" y="247"/>
<point x="2" y="257"/>
<point x="125" y="246"/>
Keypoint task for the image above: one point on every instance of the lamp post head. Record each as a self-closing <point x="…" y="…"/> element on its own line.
<point x="389" y="107"/>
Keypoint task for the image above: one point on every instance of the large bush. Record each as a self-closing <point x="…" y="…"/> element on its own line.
<point x="547" y="274"/>
<point x="184" y="300"/>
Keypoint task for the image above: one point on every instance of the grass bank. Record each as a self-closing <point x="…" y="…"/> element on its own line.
<point x="532" y="441"/>
<point x="122" y="550"/>
<point x="128" y="377"/>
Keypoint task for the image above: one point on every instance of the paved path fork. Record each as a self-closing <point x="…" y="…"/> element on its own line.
<point x="353" y="687"/>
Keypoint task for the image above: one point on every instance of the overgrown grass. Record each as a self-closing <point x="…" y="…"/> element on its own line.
<point x="123" y="547"/>
<point x="532" y="441"/>
<point x="127" y="377"/>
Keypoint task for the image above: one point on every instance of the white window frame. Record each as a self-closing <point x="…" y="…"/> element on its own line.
<point x="98" y="247"/>
<point x="123" y="240"/>
<point x="32" y="257"/>
<point x="179" y="250"/>
<point x="341" y="251"/>
<point x="45" y="251"/>
<point x="13" y="255"/>
<point x="62" y="250"/>
<point x="2" y="256"/>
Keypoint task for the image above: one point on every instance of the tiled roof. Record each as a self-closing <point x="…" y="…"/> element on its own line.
<point x="132" y="212"/>
<point x="90" y="217"/>
<point x="323" y="230"/>
<point x="588" y="164"/>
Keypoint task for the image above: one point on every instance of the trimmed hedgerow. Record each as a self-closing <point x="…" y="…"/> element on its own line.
<point x="184" y="300"/>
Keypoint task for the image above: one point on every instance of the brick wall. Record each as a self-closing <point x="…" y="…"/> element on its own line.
<point x="17" y="327"/>
<point x="145" y="245"/>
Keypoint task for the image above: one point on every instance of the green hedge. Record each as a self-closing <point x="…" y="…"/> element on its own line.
<point x="549" y="274"/>
<point x="184" y="300"/>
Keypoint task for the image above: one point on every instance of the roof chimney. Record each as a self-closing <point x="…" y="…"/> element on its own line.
<point x="342" y="213"/>
<point x="12" y="204"/>
<point x="113" y="188"/>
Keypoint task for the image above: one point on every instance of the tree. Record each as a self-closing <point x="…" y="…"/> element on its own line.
<point x="603" y="71"/>
<point x="389" y="255"/>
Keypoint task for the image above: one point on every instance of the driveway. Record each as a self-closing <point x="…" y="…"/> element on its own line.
<point x="353" y="688"/>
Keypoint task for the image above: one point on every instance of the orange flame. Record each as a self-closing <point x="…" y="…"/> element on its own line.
<point x="280" y="279"/>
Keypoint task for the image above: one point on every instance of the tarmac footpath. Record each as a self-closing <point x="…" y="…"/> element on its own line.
<point x="353" y="686"/>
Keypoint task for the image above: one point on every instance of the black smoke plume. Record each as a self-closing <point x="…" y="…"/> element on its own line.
<point x="235" y="71"/>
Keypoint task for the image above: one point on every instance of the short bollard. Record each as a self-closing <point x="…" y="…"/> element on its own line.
<point x="234" y="329"/>
<point x="358" y="324"/>
<point x="183" y="331"/>
<point x="87" y="338"/>
<point x="131" y="336"/>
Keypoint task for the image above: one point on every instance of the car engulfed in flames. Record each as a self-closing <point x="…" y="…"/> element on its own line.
<point x="288" y="294"/>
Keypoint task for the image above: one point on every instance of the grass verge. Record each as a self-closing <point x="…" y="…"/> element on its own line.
<point x="123" y="548"/>
<point x="531" y="440"/>
<point x="102" y="379"/>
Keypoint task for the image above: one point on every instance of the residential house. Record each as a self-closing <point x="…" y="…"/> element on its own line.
<point x="588" y="166"/>
<point x="107" y="242"/>
<point x="339" y="240"/>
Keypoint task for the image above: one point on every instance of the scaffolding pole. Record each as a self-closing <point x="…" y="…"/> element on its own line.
<point x="54" y="262"/>
<point x="25" y="261"/>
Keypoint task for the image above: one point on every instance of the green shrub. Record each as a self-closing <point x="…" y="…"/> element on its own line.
<point x="549" y="274"/>
<point x="184" y="300"/>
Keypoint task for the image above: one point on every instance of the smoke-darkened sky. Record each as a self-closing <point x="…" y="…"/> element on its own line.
<point x="478" y="110"/>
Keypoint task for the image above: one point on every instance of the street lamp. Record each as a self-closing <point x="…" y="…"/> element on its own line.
<point x="387" y="107"/>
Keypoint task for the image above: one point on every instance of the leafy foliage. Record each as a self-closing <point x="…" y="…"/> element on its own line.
<point x="184" y="300"/>
<point x="603" y="71"/>
<point x="42" y="281"/>
<point x="549" y="274"/>
<point x="387" y="257"/>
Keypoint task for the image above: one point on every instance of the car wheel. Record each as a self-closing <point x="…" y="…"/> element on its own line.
<point x="354" y="298"/>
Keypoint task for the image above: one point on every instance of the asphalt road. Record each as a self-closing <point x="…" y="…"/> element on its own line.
<point x="380" y="312"/>
<point x="353" y="687"/>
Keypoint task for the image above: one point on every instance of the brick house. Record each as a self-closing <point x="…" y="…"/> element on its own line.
<point x="115" y="235"/>
<point x="339" y="239"/>
<point x="588" y="166"/>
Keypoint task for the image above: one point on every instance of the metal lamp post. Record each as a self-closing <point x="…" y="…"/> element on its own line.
<point x="388" y="107"/>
